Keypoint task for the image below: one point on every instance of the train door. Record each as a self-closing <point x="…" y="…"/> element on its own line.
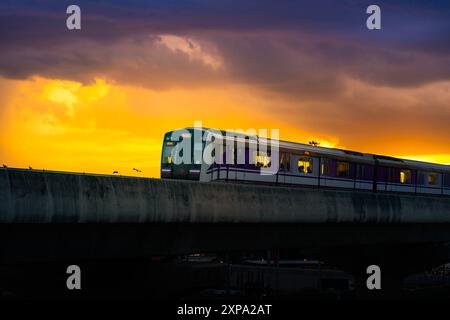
<point x="283" y="168"/>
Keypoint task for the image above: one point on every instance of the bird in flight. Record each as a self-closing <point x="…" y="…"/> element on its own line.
<point x="137" y="170"/>
<point x="115" y="172"/>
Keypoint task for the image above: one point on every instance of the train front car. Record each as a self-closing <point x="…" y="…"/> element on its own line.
<point x="178" y="161"/>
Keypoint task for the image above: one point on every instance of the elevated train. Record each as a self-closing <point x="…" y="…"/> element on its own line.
<point x="310" y="166"/>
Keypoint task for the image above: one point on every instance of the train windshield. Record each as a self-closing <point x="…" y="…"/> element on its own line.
<point x="182" y="158"/>
<point x="168" y="146"/>
<point x="167" y="154"/>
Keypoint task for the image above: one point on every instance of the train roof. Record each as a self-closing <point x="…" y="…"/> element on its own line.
<point x="365" y="157"/>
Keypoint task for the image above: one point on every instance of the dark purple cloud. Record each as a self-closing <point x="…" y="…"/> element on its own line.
<point x="315" y="61"/>
<point x="297" y="48"/>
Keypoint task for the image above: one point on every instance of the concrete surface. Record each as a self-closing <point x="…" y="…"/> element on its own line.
<point x="28" y="196"/>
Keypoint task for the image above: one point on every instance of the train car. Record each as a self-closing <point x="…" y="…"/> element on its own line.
<point x="304" y="165"/>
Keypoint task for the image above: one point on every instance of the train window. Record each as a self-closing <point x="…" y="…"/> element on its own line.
<point x="360" y="171"/>
<point x="421" y="178"/>
<point x="305" y="165"/>
<point x="432" y="179"/>
<point x="262" y="161"/>
<point x="391" y="175"/>
<point x="343" y="169"/>
<point x="167" y="155"/>
<point x="282" y="161"/>
<point x="447" y="180"/>
<point x="325" y="167"/>
<point x="405" y="176"/>
<point x="241" y="156"/>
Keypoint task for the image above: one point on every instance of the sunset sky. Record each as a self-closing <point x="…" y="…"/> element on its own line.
<point x="99" y="99"/>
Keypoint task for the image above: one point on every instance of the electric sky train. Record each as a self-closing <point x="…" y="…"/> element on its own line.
<point x="303" y="165"/>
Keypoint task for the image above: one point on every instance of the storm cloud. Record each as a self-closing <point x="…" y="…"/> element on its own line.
<point x="313" y="64"/>
<point x="289" y="47"/>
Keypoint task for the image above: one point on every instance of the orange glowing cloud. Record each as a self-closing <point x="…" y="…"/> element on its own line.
<point x="101" y="99"/>
<point x="103" y="126"/>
